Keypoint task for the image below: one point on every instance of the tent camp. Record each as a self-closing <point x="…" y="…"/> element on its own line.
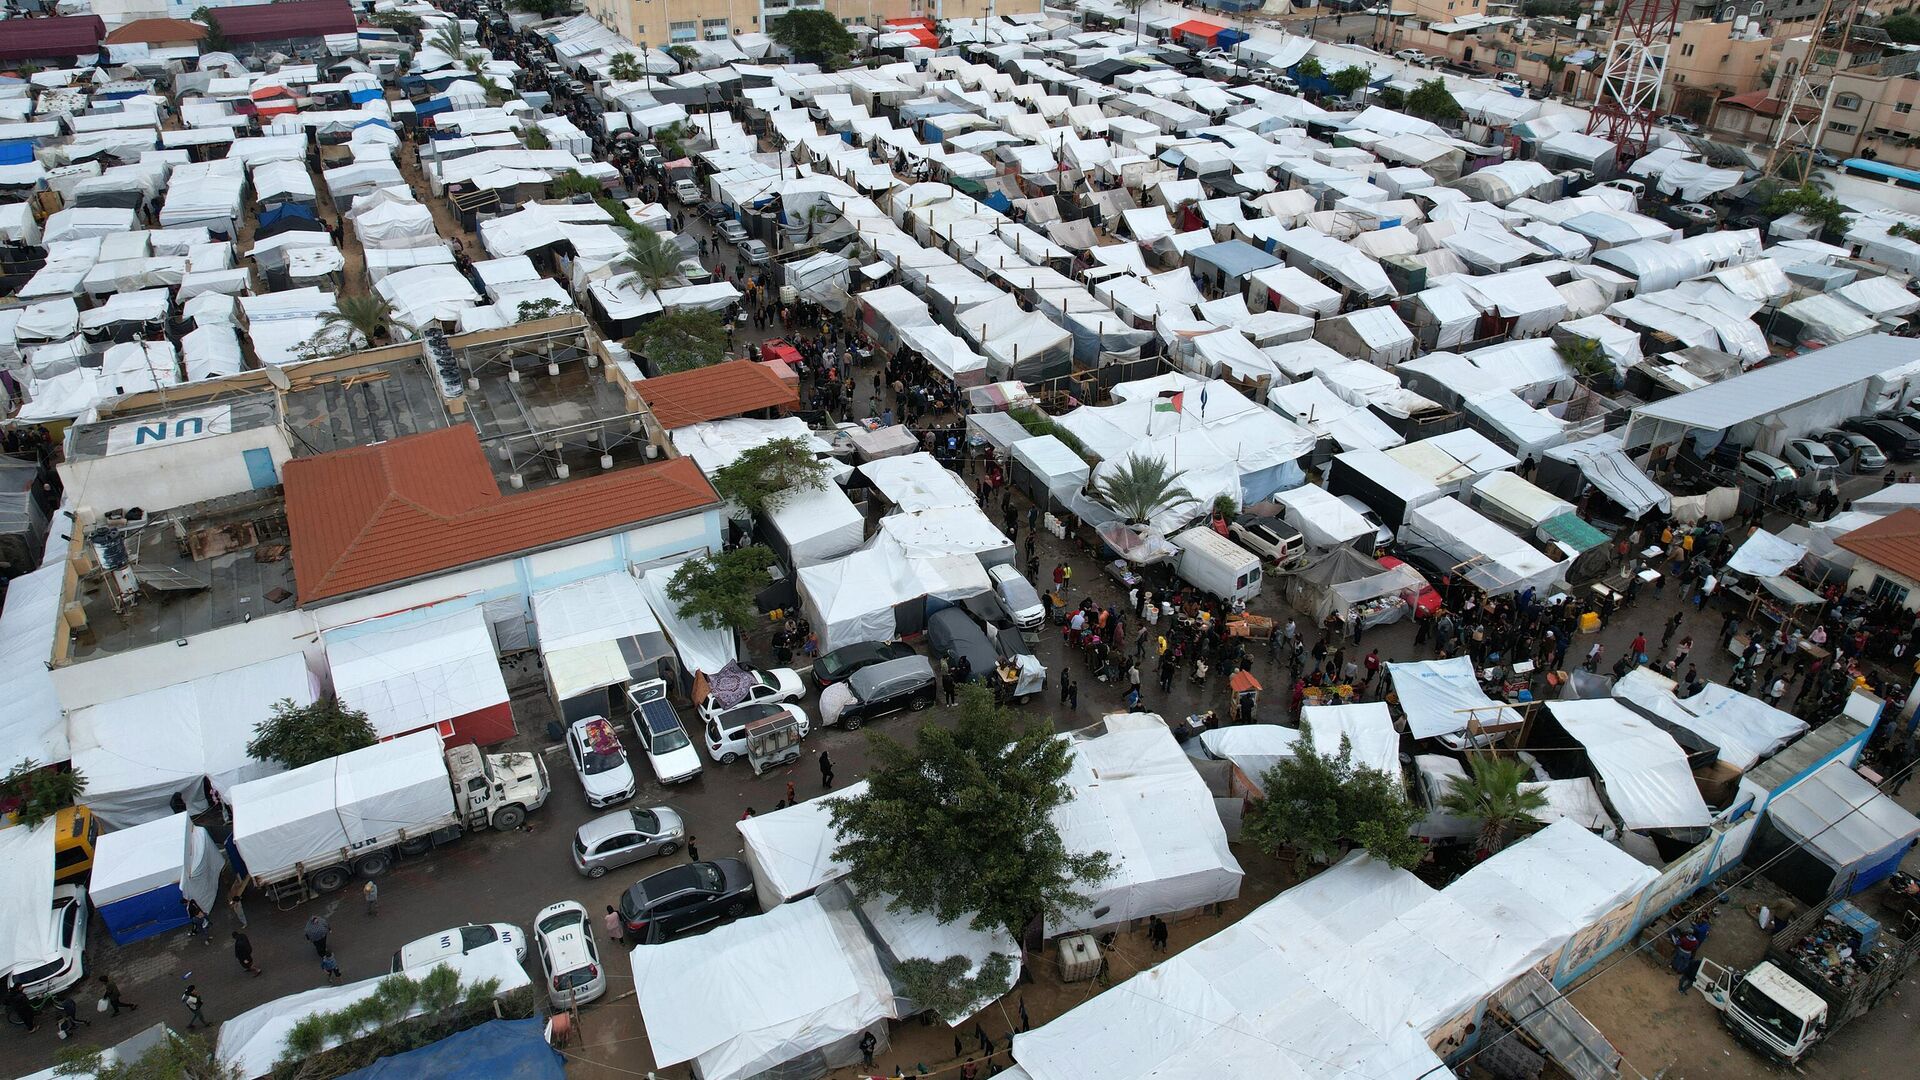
<point x="1743" y="728"/>
<point x="813" y="525"/>
<point x="1832" y="833"/>
<point x="143" y="876"/>
<point x="407" y="673"/>
<point x="1643" y="772"/>
<point x="597" y="635"/>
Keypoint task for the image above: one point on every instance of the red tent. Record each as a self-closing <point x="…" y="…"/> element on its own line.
<point x="1199" y="34"/>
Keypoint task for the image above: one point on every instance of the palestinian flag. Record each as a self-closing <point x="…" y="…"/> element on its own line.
<point x="1169" y="401"/>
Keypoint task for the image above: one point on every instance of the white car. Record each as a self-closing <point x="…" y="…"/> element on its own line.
<point x="727" y="732"/>
<point x="68" y="946"/>
<point x="569" y="960"/>
<point x="662" y="737"/>
<point x="1382" y="536"/>
<point x="769" y="685"/>
<point x="594" y="747"/>
<point x="458" y="941"/>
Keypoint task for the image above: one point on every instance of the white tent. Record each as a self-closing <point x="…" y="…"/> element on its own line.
<point x="32" y="725"/>
<point x="1441" y="697"/>
<point x="26" y="896"/>
<point x="139" y="752"/>
<point x="1644" y="771"/>
<point x="1487" y="555"/>
<point x="1138" y="798"/>
<point x="700" y="648"/>
<point x="1255" y="748"/>
<point x="597" y="632"/>
<point x="1321" y="517"/>
<point x="817" y="524"/>
<point x="406" y="674"/>
<point x="1744" y="728"/>
<point x="142" y="876"/>
<point x="791" y="850"/>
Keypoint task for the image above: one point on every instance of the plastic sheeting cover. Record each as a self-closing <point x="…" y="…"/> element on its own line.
<point x="1645" y="772"/>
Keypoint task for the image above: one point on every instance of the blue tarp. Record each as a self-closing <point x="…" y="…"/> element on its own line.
<point x="154" y="912"/>
<point x="374" y="122"/>
<point x="431" y="106"/>
<point x="999" y="201"/>
<point x="496" y="1050"/>
<point x="16" y="152"/>
<point x="288" y="210"/>
<point x="370" y="94"/>
<point x="1881" y="168"/>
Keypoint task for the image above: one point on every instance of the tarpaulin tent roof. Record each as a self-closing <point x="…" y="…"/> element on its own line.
<point x="1645" y="772"/>
<point x="701" y="648"/>
<point x="54" y="38"/>
<point x="407" y="674"/>
<point x="1842" y="820"/>
<point x="143" y="876"/>
<point x="1605" y="464"/>
<point x="597" y="632"/>
<point x="32" y="725"/>
<point x="1487" y="555"/>
<point x="26" y="896"/>
<point x="287" y="19"/>
<point x="1441" y="696"/>
<point x="1745" y="728"/>
<point x="497" y="1049"/>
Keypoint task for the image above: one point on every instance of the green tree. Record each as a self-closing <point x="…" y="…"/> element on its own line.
<point x="1309" y="68"/>
<point x="546" y="9"/>
<point x="625" y="67"/>
<point x="366" y="317"/>
<point x="35" y="792"/>
<point x="1903" y="28"/>
<point x="960" y="824"/>
<point x="573" y="182"/>
<point x="402" y="22"/>
<point x="175" y="1057"/>
<point x="1350" y="80"/>
<point x="766" y="476"/>
<point x="680" y="340"/>
<point x="216" y="39"/>
<point x="1390" y="98"/>
<point x="1431" y="101"/>
<point x="950" y="988"/>
<point x="671" y="141"/>
<point x="1584" y="357"/>
<point x="1493" y="796"/>
<point x="1810" y="202"/>
<point x="718" y="590"/>
<point x="814" y="36"/>
<point x="450" y="39"/>
<point x="652" y="257"/>
<point x="1140" y="488"/>
<point x="296" y="735"/>
<point x="1322" y="805"/>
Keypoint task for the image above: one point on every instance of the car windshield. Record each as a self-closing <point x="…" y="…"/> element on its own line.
<point x="667" y="740"/>
<point x="596" y="762"/>
<point x="645" y="820"/>
<point x="574" y="979"/>
<point x="559" y="921"/>
<point x="1767" y="1012"/>
<point x="709" y="876"/>
<point x="834" y="663"/>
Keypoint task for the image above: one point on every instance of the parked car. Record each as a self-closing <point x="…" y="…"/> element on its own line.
<point x="1854" y="450"/>
<point x="686" y="191"/>
<point x="727" y="732"/>
<point x="715" y="212"/>
<point x="838" y="665"/>
<point x="656" y="724"/>
<point x="891" y="686"/>
<point x="1382" y="536"/>
<point x="1693" y="214"/>
<point x="685" y="896"/>
<point x="1674" y="122"/>
<point x="1017" y="596"/>
<point x="594" y="748"/>
<point x="69" y="946"/>
<point x="756" y="252"/>
<point x="1428" y="601"/>
<point x="570" y="961"/>
<point x="731" y="231"/>
<point x="768" y="685"/>
<point x="1764" y="469"/>
<point x="626" y="836"/>
<point x="649" y="154"/>
<point x="1632" y="187"/>
<point x="1411" y="56"/>
<point x="458" y="941"/>
<point x="1897" y="441"/>
<point x="1268" y="537"/>
<point x="1810" y="457"/>
<point x="953" y="633"/>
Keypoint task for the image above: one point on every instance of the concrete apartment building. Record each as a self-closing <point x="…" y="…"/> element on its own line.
<point x="1873" y="101"/>
<point x="1713" y="59"/>
<point x="657" y="24"/>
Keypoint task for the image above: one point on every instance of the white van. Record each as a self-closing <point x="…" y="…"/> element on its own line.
<point x="1214" y="564"/>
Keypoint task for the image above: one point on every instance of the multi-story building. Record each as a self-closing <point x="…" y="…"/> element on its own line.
<point x="1874" y="95"/>
<point x="1712" y="59"/>
<point x="659" y="24"/>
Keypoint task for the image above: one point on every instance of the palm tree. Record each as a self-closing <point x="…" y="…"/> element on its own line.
<point x="1139" y="489"/>
<point x="1494" y="796"/>
<point x="654" y="261"/>
<point x="625" y="68"/>
<point x="367" y="316"/>
<point x="1584" y="357"/>
<point x="448" y="39"/>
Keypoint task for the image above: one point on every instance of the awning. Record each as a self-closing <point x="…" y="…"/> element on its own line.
<point x="598" y="632"/>
<point x="407" y="672"/>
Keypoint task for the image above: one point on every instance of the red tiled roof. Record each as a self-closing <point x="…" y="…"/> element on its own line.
<point x="1760" y="101"/>
<point x="158" y="32"/>
<point x="425" y="504"/>
<point x="715" y="393"/>
<point x="1893" y="542"/>
<point x="45" y="39"/>
<point x="293" y="19"/>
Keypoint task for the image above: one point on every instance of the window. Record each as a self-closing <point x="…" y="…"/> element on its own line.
<point x="1903" y="107"/>
<point x="1687" y="49"/>
<point x="1849" y="102"/>
<point x="713" y="28"/>
<point x="1882" y="589"/>
<point x="682" y="31"/>
<point x="1844" y="129"/>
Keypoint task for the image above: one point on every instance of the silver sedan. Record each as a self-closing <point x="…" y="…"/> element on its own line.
<point x="626" y="836"/>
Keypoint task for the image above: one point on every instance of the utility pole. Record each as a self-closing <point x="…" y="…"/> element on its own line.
<point x="1627" y="97"/>
<point x="1796" y="137"/>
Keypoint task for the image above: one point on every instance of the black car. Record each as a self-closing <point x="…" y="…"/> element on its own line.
<point x="835" y="666"/>
<point x="714" y="212"/>
<point x="660" y="905"/>
<point x="952" y="633"/>
<point x="1894" y="439"/>
<point x="883" y="689"/>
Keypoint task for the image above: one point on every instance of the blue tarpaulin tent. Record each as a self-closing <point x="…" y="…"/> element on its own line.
<point x="16" y="151"/>
<point x="497" y="1050"/>
<point x="431" y="106"/>
<point x="371" y="93"/>
<point x="288" y="210"/>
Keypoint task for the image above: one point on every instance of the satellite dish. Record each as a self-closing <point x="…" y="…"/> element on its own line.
<point x="277" y="377"/>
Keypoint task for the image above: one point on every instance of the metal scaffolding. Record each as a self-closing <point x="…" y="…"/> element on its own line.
<point x="1628" y="92"/>
<point x="1796" y="137"/>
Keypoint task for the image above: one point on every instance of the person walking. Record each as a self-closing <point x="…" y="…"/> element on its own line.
<point x="1157" y="934"/>
<point x="199" y="925"/>
<point x="826" y="770"/>
<point x="331" y="968"/>
<point x="616" y="926"/>
<point x="317" y="932"/>
<point x="1072" y="691"/>
<point x="370" y="893"/>
<point x="190" y="997"/>
<point x="867" y="1044"/>
<point x="110" y="993"/>
<point x="69" y="1014"/>
<point x="20" y="1009"/>
<point x="236" y="904"/>
<point x="243" y="952"/>
<point x="948" y="689"/>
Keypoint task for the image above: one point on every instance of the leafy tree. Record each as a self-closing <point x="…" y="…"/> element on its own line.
<point x="297" y="735"/>
<point x="1140" y="488"/>
<point x="1390" y="98"/>
<point x="625" y="67"/>
<point x="216" y="39"/>
<point x="945" y="988"/>
<point x="681" y="340"/>
<point x="766" y="476"/>
<point x="537" y="140"/>
<point x="1584" y="357"/>
<point x="1323" y="805"/>
<point x="35" y="792"/>
<point x="960" y="824"/>
<point x="653" y="259"/>
<point x="671" y="141"/>
<point x="1431" y="101"/>
<point x="1494" y="797"/>
<point x="1225" y="506"/>
<point x="403" y="22"/>
<point x="1903" y="28"/>
<point x="573" y="182"/>
<point x="546" y="9"/>
<point x="176" y="1057"/>
<point x="366" y="317"/>
<point x="814" y="36"/>
<point x="1810" y="202"/>
<point x="718" y="590"/>
<point x="1309" y="68"/>
<point x="450" y="39"/>
<point x="544" y="308"/>
<point x="1350" y="80"/>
